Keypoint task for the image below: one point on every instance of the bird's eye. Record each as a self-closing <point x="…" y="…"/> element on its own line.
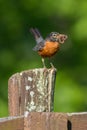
<point x="54" y="35"/>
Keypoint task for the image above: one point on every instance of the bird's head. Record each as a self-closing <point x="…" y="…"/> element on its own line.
<point x="56" y="37"/>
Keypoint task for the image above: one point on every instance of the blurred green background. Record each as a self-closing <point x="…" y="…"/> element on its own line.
<point x="16" y="43"/>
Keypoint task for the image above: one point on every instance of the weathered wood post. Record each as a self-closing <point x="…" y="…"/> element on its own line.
<point x="31" y="96"/>
<point x="31" y="91"/>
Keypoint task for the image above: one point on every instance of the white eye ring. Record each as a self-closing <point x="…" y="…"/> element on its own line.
<point x="54" y="35"/>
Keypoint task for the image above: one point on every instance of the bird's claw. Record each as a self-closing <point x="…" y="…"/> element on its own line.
<point x="52" y="65"/>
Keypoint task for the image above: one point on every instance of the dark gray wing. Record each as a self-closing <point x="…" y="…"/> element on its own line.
<point x="39" y="46"/>
<point x="39" y="39"/>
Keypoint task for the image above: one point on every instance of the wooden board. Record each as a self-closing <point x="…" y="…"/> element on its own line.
<point x="45" y="121"/>
<point x="12" y="123"/>
<point x="78" y="121"/>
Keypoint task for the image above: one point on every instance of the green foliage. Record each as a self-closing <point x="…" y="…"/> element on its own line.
<point x="69" y="96"/>
<point x="16" y="43"/>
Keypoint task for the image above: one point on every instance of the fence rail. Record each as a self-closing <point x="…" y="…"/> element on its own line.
<point x="45" y="121"/>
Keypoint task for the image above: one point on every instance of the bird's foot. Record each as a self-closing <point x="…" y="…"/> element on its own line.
<point x="52" y="65"/>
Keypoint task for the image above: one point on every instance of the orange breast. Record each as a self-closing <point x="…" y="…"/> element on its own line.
<point x="49" y="49"/>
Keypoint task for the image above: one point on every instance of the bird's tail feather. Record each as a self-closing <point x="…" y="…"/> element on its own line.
<point x="35" y="32"/>
<point x="36" y="35"/>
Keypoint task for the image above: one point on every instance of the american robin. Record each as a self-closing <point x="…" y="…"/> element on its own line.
<point x="49" y="46"/>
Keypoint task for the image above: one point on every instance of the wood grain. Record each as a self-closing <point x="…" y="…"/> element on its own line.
<point x="31" y="90"/>
<point x="78" y="121"/>
<point x="12" y="123"/>
<point x="45" y="121"/>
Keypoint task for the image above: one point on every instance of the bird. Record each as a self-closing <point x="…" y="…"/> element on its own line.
<point x="49" y="46"/>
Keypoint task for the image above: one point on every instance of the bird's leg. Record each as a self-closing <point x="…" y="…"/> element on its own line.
<point x="43" y="63"/>
<point x="51" y="63"/>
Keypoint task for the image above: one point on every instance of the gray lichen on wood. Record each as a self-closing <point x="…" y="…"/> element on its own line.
<point x="31" y="90"/>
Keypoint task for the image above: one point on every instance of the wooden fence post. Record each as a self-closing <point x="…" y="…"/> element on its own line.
<point x="31" y="91"/>
<point x="31" y="96"/>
